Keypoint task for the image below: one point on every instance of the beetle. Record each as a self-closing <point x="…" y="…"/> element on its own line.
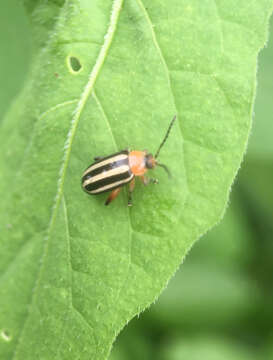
<point x="112" y="172"/>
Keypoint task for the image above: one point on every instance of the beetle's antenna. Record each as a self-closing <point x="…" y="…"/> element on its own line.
<point x="165" y="168"/>
<point x="165" y="138"/>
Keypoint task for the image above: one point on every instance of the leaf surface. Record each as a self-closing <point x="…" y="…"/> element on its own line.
<point x="74" y="272"/>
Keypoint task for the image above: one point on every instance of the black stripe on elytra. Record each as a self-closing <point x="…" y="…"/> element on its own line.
<point x="109" y="180"/>
<point x="107" y="167"/>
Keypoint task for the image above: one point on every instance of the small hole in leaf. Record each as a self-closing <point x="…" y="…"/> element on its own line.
<point x="5" y="334"/>
<point x="74" y="64"/>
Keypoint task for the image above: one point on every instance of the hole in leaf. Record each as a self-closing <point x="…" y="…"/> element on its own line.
<point x="5" y="334"/>
<point x="74" y="64"/>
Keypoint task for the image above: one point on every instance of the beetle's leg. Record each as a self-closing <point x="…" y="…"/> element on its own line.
<point x="112" y="196"/>
<point x="147" y="180"/>
<point x="131" y="189"/>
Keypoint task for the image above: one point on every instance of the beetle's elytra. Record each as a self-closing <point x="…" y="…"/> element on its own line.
<point x="112" y="172"/>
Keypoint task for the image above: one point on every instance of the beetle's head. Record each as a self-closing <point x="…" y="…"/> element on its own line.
<point x="151" y="162"/>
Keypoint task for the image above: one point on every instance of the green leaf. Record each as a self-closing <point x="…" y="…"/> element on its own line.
<point x="74" y="272"/>
<point x="43" y="16"/>
<point x="15" y="52"/>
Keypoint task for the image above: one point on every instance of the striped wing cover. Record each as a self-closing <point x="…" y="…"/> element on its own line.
<point x="107" y="173"/>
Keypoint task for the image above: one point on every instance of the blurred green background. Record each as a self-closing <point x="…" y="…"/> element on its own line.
<point x="219" y="305"/>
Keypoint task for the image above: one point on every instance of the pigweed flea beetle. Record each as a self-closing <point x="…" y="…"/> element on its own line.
<point x="112" y="172"/>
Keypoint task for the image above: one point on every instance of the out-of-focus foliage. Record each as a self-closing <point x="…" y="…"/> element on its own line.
<point x="230" y="268"/>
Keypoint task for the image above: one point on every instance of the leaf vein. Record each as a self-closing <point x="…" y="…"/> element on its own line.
<point x="108" y="38"/>
<point x="164" y="63"/>
<point x="220" y="27"/>
<point x="67" y="233"/>
<point x="128" y="212"/>
<point x="27" y="149"/>
<point x="70" y="305"/>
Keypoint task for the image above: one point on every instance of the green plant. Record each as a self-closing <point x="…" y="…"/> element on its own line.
<point x="106" y="76"/>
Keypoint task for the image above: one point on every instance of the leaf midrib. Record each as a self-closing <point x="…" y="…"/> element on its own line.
<point x="108" y="38"/>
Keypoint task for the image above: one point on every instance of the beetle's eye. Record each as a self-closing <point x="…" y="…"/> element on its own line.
<point x="149" y="161"/>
